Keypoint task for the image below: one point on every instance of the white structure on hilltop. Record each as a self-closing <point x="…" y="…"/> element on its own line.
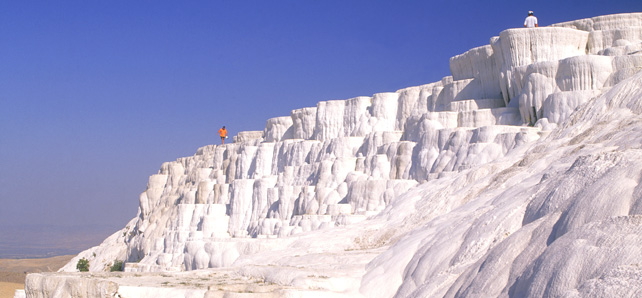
<point x="519" y="175"/>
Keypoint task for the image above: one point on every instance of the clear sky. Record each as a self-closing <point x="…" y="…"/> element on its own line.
<point x="95" y="95"/>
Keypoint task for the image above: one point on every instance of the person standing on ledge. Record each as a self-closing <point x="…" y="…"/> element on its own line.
<point x="223" y="133"/>
<point x="531" y="21"/>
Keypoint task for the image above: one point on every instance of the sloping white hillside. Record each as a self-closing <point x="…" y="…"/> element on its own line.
<point x="516" y="176"/>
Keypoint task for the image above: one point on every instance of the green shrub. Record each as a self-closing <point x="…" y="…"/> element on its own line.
<point x="116" y="266"/>
<point x="83" y="265"/>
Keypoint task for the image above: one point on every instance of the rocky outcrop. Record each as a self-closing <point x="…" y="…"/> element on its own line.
<point x="428" y="185"/>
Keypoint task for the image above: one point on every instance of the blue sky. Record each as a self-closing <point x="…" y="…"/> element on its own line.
<point x="95" y="95"/>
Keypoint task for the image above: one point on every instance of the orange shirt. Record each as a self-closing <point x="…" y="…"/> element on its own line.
<point x="222" y="132"/>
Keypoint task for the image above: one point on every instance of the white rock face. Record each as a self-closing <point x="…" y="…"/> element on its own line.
<point x="516" y="176"/>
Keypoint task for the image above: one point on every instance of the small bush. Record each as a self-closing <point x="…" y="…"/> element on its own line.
<point x="116" y="266"/>
<point x="83" y="265"/>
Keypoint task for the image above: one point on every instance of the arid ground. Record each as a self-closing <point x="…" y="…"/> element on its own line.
<point x="14" y="271"/>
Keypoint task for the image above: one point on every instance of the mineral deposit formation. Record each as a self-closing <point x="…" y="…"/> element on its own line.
<point x="516" y="176"/>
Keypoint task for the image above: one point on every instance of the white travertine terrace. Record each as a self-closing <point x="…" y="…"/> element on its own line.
<point x="518" y="175"/>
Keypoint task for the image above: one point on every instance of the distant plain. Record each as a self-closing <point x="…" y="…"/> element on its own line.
<point x="27" y="242"/>
<point x="29" y="249"/>
<point x="14" y="271"/>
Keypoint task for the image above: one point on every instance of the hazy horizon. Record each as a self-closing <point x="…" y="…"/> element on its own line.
<point x="39" y="241"/>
